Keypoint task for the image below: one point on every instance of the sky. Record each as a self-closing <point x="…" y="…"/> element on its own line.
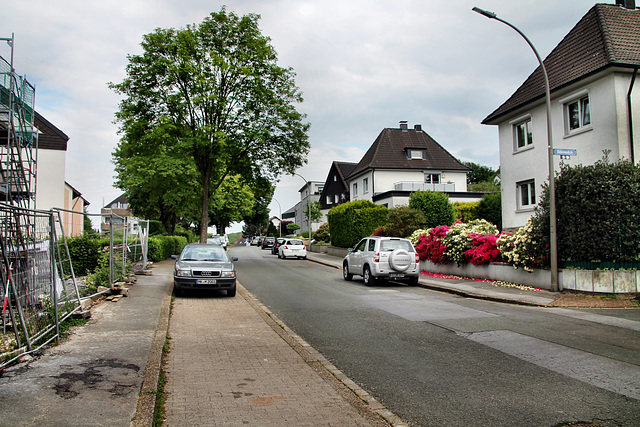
<point x="361" y="65"/>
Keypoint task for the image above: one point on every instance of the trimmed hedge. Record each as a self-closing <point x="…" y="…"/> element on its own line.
<point x="435" y="206"/>
<point x="162" y="247"/>
<point x="351" y="221"/>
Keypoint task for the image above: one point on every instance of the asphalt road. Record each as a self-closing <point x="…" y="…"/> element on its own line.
<point x="438" y="359"/>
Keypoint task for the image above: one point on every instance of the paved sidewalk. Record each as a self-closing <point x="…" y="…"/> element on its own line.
<point x="233" y="363"/>
<point x="469" y="288"/>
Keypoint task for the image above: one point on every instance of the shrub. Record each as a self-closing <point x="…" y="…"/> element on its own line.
<point x="490" y="208"/>
<point x="350" y="221"/>
<point x="430" y="246"/>
<point x="465" y="211"/>
<point x="416" y="235"/>
<point x="484" y="249"/>
<point x="403" y="220"/>
<point x="458" y="240"/>
<point x="380" y="232"/>
<point x="434" y="205"/>
<point x="162" y="247"/>
<point x="322" y="234"/>
<point x="84" y="252"/>
<point x="520" y="249"/>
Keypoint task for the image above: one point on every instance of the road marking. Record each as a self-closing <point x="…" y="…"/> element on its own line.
<point x="618" y="377"/>
<point x="592" y="317"/>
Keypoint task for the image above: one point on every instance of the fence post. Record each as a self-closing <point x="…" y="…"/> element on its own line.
<point x="52" y="256"/>
<point x="110" y="250"/>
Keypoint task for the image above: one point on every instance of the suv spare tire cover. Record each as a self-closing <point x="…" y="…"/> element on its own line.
<point x="400" y="260"/>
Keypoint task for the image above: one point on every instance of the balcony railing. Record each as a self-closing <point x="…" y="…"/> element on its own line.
<point x="422" y="186"/>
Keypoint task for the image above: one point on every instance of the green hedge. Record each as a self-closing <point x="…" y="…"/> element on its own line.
<point x="351" y="221"/>
<point x="162" y="247"/>
<point x="435" y="206"/>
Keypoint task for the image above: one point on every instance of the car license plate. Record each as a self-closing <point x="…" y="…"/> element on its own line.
<point x="396" y="275"/>
<point x="206" y="281"/>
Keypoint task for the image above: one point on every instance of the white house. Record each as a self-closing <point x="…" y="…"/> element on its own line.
<point x="401" y="161"/>
<point x="595" y="109"/>
<point x="309" y="192"/>
<point x="52" y="191"/>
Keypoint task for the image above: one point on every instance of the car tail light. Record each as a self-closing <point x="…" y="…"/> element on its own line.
<point x="304" y="247"/>
<point x="286" y="247"/>
<point x="417" y="259"/>
<point x="376" y="257"/>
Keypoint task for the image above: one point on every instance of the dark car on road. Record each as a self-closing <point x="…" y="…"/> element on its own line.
<point x="268" y="242"/>
<point x="276" y="245"/>
<point x="202" y="266"/>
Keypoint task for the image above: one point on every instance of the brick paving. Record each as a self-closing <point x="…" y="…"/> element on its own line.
<point x="229" y="367"/>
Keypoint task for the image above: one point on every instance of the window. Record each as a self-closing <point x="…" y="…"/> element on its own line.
<point x="355" y="189"/>
<point x="577" y="114"/>
<point x="337" y="199"/>
<point x="335" y="178"/>
<point x="523" y="134"/>
<point x="365" y="185"/>
<point x="432" y="178"/>
<point x="372" y="245"/>
<point x="329" y="199"/>
<point x="361" y="245"/>
<point x="526" y="194"/>
<point x="416" y="153"/>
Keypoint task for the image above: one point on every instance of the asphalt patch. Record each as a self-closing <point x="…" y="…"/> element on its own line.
<point x="108" y="375"/>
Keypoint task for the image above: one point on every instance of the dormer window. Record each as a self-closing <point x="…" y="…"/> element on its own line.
<point x="416" y="153"/>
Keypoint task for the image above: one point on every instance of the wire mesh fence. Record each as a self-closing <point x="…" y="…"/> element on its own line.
<point x="40" y="288"/>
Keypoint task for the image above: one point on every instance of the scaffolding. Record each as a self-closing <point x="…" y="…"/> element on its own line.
<point x="18" y="135"/>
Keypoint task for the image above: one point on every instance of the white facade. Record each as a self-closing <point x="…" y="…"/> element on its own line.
<point x="50" y="184"/>
<point x="608" y="129"/>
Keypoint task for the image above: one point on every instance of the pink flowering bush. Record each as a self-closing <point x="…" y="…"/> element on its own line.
<point x="430" y="246"/>
<point x="484" y="249"/>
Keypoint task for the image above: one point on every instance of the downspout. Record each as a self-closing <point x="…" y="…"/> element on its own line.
<point x="630" y="115"/>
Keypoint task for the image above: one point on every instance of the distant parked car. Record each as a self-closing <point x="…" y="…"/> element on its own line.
<point x="255" y="240"/>
<point x="260" y="240"/>
<point x="293" y="248"/>
<point x="268" y="242"/>
<point x="378" y="257"/>
<point x="276" y="245"/>
<point x="215" y="240"/>
<point x="204" y="266"/>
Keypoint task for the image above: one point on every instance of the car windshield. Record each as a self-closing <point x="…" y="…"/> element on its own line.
<point x="203" y="254"/>
<point x="392" y="245"/>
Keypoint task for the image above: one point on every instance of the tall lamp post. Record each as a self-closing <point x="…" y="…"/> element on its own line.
<point x="280" y="225"/>
<point x="552" y="185"/>
<point x="308" y="204"/>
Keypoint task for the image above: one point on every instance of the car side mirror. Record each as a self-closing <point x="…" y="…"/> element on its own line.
<point x="234" y="258"/>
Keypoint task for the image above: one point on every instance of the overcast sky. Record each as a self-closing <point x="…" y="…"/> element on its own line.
<point x="362" y="66"/>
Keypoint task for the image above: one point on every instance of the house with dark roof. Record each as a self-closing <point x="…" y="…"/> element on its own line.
<point x="119" y="207"/>
<point x="336" y="188"/>
<point x="402" y="161"/>
<point x="594" y="107"/>
<point x="52" y="191"/>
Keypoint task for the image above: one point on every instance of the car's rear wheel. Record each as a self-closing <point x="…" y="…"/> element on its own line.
<point x="345" y="272"/>
<point x="369" y="280"/>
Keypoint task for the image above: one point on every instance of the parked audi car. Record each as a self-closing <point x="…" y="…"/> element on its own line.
<point x="378" y="258"/>
<point x="292" y="248"/>
<point x="204" y="266"/>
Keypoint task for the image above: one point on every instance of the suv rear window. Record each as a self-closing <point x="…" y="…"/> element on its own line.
<point x="392" y="245"/>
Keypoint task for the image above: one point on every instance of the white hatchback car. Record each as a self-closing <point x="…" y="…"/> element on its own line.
<point x="378" y="257"/>
<point x="293" y="248"/>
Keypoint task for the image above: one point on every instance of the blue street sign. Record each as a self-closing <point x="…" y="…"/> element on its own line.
<point x="565" y="152"/>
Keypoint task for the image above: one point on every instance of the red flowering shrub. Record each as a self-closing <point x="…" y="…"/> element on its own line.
<point x="430" y="246"/>
<point x="484" y="249"/>
<point x="379" y="232"/>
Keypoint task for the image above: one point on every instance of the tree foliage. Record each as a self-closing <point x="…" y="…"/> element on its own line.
<point x="203" y="103"/>
<point x="435" y="206"/>
<point x="402" y="221"/>
<point x="490" y="208"/>
<point x="479" y="173"/>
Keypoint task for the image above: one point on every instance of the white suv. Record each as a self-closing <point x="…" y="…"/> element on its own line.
<point x="379" y="257"/>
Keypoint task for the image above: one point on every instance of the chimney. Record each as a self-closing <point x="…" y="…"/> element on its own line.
<point x="403" y="125"/>
<point x="627" y="4"/>
<point x="418" y="128"/>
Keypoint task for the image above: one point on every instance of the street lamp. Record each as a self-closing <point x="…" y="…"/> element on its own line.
<point x="552" y="185"/>
<point x="308" y="204"/>
<point x="280" y="224"/>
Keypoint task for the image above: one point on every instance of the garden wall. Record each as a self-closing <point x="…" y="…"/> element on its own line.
<point x="597" y="281"/>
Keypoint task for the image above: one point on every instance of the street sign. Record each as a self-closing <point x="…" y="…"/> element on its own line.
<point x="565" y="152"/>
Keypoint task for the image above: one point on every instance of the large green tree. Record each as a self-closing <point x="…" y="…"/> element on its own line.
<point x="212" y="98"/>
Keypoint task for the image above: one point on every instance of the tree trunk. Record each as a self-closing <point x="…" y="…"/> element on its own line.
<point x="204" y="214"/>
